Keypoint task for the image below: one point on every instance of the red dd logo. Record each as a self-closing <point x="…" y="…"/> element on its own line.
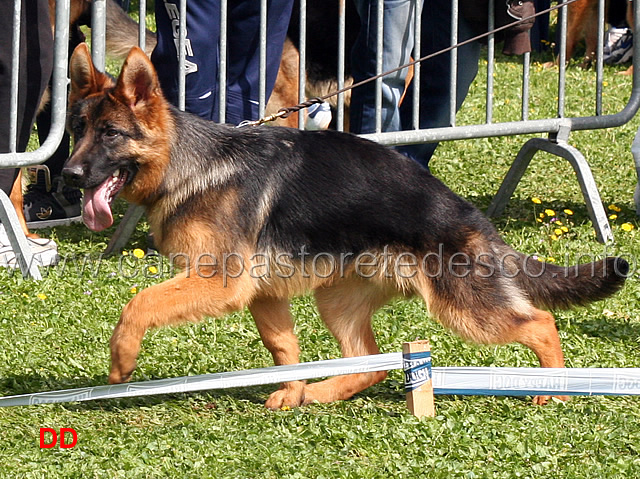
<point x="49" y="437"/>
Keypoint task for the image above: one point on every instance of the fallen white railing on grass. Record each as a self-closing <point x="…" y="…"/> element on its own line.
<point x="446" y="380"/>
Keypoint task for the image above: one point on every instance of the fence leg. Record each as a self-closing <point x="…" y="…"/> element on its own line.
<point x="587" y="183"/>
<point x="592" y="199"/>
<point x="17" y="238"/>
<point x="510" y="182"/>
<point x="635" y="151"/>
<point x="125" y="229"/>
<point x="416" y="360"/>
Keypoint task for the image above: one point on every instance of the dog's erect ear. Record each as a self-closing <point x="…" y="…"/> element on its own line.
<point x="138" y="82"/>
<point x="85" y="79"/>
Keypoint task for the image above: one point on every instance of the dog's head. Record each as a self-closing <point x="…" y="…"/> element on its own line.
<point x="120" y="134"/>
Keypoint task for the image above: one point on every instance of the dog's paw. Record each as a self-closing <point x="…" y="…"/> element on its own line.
<point x="116" y="376"/>
<point x="288" y="396"/>
<point x="543" y="400"/>
<point x="628" y="71"/>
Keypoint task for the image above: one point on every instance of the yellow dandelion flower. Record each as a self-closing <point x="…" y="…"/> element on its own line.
<point x="550" y="212"/>
<point x="551" y="259"/>
<point x="153" y="270"/>
<point x="626" y="226"/>
<point x="125" y="253"/>
<point x="540" y="259"/>
<point x="285" y="408"/>
<point x="42" y="296"/>
<point x="605" y="83"/>
<point x="138" y="253"/>
<point x="554" y="237"/>
<point x="133" y="290"/>
<point x="558" y="232"/>
<point x="565" y="229"/>
<point x="538" y="220"/>
<point x="542" y="215"/>
<point x="25" y="295"/>
<point x="537" y="201"/>
<point x="558" y="223"/>
<point x="615" y="208"/>
<point x="613" y="217"/>
<point x="568" y="212"/>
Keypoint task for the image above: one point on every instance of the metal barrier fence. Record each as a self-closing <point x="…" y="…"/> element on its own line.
<point x="557" y="129"/>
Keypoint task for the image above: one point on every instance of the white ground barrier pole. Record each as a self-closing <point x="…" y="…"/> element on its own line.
<point x="446" y="380"/>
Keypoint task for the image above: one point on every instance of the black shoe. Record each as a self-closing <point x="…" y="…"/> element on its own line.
<point x="48" y="202"/>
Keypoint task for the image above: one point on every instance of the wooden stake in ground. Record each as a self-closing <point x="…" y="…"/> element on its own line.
<point x="416" y="360"/>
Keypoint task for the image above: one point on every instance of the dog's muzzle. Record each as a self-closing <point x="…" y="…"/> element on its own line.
<point x="73" y="175"/>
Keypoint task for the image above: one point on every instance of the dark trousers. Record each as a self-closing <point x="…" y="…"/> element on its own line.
<point x="203" y="56"/>
<point x="435" y="76"/>
<point x="36" y="64"/>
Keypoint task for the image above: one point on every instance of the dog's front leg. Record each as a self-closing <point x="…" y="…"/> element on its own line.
<point x="187" y="297"/>
<point x="275" y="326"/>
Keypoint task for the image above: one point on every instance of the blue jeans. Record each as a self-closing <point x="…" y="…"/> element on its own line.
<point x="398" y="36"/>
<point x="202" y="55"/>
<point x="435" y="75"/>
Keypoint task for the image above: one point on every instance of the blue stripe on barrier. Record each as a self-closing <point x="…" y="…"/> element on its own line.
<point x="519" y="392"/>
<point x="417" y="355"/>
<point x="417" y="369"/>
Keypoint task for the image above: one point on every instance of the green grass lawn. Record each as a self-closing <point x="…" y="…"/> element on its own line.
<point x="54" y="334"/>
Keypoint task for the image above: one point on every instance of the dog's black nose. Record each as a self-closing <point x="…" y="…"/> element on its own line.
<point x="72" y="175"/>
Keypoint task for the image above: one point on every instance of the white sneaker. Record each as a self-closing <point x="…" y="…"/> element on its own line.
<point x="44" y="251"/>
<point x="618" y="46"/>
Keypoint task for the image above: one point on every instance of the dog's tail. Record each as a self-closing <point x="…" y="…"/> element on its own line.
<point x="122" y="33"/>
<point x="556" y="287"/>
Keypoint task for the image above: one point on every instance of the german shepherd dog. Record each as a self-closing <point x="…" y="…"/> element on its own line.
<point x="277" y="212"/>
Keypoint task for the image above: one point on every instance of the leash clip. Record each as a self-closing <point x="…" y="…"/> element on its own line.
<point x="282" y="113"/>
<point x="246" y="123"/>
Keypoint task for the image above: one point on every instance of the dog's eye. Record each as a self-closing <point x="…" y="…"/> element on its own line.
<point x="111" y="133"/>
<point x="78" y="128"/>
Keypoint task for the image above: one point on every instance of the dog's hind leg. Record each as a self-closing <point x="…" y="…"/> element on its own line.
<point x="578" y="14"/>
<point x="275" y="326"/>
<point x="540" y="334"/>
<point x="590" y="34"/>
<point x="186" y="297"/>
<point x="346" y="308"/>
<point x="498" y="315"/>
<point x="17" y="200"/>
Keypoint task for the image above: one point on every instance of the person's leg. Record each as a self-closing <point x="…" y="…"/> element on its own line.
<point x="540" y="28"/>
<point x="203" y="31"/>
<point x="35" y="67"/>
<point x="36" y="64"/>
<point x="243" y="71"/>
<point x="398" y="28"/>
<point x="435" y="76"/>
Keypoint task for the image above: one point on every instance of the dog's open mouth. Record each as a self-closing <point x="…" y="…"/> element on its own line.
<point x="96" y="212"/>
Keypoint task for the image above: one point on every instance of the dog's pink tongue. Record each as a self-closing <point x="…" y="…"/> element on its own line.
<point x="96" y="212"/>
